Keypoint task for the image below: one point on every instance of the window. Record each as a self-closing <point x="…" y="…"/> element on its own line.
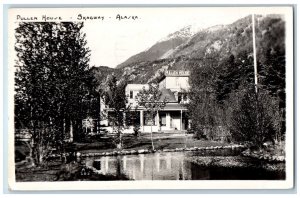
<point x="131" y="94"/>
<point x="133" y="118"/>
<point x="147" y="119"/>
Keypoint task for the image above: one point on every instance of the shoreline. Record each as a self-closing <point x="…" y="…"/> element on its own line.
<point x="116" y="152"/>
<point x="238" y="162"/>
<point x="73" y="170"/>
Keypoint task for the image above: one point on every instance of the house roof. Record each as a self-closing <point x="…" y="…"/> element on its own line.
<point x="167" y="95"/>
<point x="176" y="106"/>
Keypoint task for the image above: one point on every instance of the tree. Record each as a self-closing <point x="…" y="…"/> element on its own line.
<point x="271" y="53"/>
<point x="203" y="108"/>
<point x="50" y="81"/>
<point x="92" y="102"/>
<point x="116" y="100"/>
<point x="151" y="99"/>
<point x="254" y="118"/>
<point x="223" y="74"/>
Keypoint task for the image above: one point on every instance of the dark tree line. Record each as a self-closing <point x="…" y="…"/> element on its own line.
<point x="222" y="86"/>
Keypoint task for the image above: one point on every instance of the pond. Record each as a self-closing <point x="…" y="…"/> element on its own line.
<point x="184" y="166"/>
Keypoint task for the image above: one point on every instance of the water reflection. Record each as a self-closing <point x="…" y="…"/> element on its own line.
<point x="158" y="166"/>
<point x="170" y="166"/>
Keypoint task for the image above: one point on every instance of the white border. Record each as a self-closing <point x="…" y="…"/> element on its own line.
<point x="119" y="185"/>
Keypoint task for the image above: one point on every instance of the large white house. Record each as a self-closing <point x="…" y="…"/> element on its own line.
<point x="173" y="117"/>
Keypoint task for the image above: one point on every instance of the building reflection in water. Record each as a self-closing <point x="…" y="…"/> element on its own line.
<point x="170" y="166"/>
<point x="157" y="160"/>
<point x="106" y="164"/>
<point x="155" y="166"/>
<point x="124" y="162"/>
<point x="169" y="162"/>
<point x="142" y="163"/>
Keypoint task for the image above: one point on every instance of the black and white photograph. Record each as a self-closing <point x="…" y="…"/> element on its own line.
<point x="150" y="97"/>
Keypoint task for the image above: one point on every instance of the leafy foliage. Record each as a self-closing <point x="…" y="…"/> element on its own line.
<point x="203" y="108"/>
<point x="115" y="98"/>
<point x="151" y="99"/>
<point x="51" y="80"/>
<point x="253" y="119"/>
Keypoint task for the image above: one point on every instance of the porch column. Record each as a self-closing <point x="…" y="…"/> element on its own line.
<point x="180" y="119"/>
<point x="142" y="120"/>
<point x="168" y="120"/>
<point x="157" y="120"/>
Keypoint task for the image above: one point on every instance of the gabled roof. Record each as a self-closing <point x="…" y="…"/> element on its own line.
<point x="167" y="95"/>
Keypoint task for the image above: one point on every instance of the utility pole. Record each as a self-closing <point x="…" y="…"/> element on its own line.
<point x="254" y="53"/>
<point x="258" y="126"/>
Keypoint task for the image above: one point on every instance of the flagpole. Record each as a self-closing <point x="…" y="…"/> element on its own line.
<point x="254" y="53"/>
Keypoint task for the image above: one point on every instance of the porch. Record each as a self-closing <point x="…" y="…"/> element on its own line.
<point x="172" y="119"/>
<point x="165" y="121"/>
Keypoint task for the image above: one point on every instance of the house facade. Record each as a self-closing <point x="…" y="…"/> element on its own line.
<point x="174" y="87"/>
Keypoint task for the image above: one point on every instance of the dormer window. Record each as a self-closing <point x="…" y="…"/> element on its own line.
<point x="131" y="94"/>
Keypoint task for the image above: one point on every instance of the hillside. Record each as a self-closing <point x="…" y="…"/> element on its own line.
<point x="161" y="48"/>
<point x="183" y="49"/>
<point x="101" y="73"/>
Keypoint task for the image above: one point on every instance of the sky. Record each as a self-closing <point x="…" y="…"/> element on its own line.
<point x="113" y="41"/>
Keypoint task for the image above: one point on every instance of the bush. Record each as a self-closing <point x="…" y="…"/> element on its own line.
<point x="197" y="130"/>
<point x="252" y="119"/>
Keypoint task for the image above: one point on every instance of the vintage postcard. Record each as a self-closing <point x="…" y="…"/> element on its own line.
<point x="150" y="98"/>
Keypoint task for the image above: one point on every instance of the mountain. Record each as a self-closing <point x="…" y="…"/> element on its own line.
<point x="184" y="49"/>
<point x="161" y="48"/>
<point x="101" y="73"/>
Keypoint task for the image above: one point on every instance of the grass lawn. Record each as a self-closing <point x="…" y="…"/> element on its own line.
<point x="161" y="141"/>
